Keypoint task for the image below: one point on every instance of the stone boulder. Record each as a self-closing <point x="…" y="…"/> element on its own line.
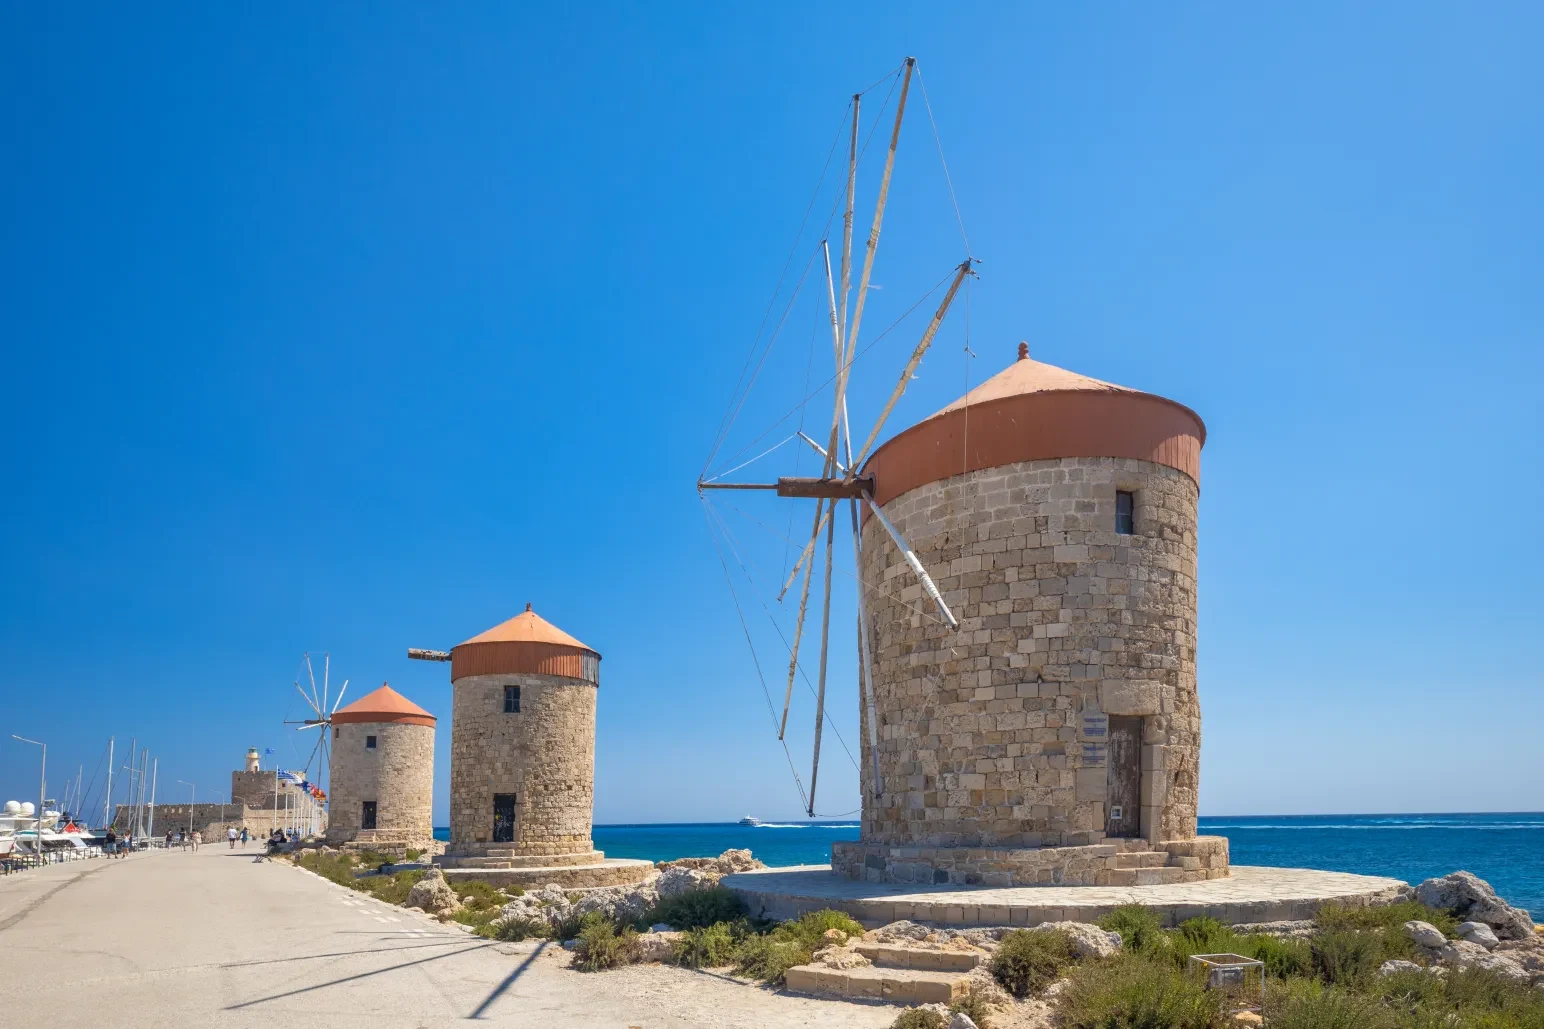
<point x="673" y="882"/>
<point x="1088" y="941"/>
<point x="1463" y="954"/>
<point x="619" y="903"/>
<point x="727" y="863"/>
<point x="433" y="894"/>
<point x="1470" y="898"/>
<point x="1425" y="935"/>
<point x="1478" y="932"/>
<point x="548" y="904"/>
<point x="961" y="1021"/>
<point x="1394" y="966"/>
<point x="657" y="946"/>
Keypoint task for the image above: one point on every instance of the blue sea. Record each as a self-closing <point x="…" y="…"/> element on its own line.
<point x="1506" y="850"/>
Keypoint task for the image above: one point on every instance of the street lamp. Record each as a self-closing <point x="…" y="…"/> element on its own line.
<point x="192" y="795"/>
<point x="37" y="826"/>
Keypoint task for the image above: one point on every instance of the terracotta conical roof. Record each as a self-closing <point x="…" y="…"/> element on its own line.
<point x="383" y="705"/>
<point x="1033" y="411"/>
<point x="1027" y="375"/>
<point x="527" y="644"/>
<point x="527" y="627"/>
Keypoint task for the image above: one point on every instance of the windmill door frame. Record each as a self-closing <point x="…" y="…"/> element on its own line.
<point x="505" y="815"/>
<point x="1124" y="812"/>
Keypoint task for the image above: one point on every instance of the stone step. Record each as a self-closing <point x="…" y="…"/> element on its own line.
<point x="1148" y="876"/>
<point x="893" y="985"/>
<point x="1123" y="845"/>
<point x="1141" y="859"/>
<point x="888" y="955"/>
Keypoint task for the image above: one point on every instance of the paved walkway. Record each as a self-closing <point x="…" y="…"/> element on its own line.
<point x="1250" y="894"/>
<point x="220" y="939"/>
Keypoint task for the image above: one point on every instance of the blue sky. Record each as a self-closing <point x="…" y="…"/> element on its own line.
<point x="356" y="329"/>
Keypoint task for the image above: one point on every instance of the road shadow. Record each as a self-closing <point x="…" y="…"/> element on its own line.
<point x="509" y="980"/>
<point x="361" y="975"/>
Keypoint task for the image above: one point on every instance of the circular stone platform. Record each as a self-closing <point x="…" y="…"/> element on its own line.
<point x="607" y="872"/>
<point x="1249" y="894"/>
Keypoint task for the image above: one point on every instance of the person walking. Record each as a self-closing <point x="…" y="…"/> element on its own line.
<point x="244" y="837"/>
<point x="230" y="838"/>
<point x="198" y="838"/>
<point x="127" y="845"/>
<point x="168" y="839"/>
<point x="110" y="843"/>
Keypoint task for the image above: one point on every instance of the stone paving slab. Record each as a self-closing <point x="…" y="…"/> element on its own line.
<point x="1249" y="894"/>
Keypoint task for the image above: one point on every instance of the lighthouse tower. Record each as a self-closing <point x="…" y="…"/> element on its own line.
<point x="1055" y="737"/>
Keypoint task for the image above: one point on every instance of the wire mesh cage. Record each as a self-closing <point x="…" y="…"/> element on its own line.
<point x="1241" y="979"/>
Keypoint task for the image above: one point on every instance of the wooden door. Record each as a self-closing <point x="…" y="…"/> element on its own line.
<point x="367" y="815"/>
<point x="1125" y="753"/>
<point x="503" y="818"/>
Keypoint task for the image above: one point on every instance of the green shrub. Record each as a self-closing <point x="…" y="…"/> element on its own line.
<point x="975" y="1009"/>
<point x="602" y="946"/>
<point x="394" y="888"/>
<point x="698" y="909"/>
<point x="480" y="919"/>
<point x="1388" y="916"/>
<point x="1139" y="928"/>
<point x="1305" y="1004"/>
<point x="373" y="859"/>
<point x="1282" y="958"/>
<point x="812" y="926"/>
<point x="711" y="946"/>
<point x="1027" y="962"/>
<point x="412" y="854"/>
<point x="919" y="1018"/>
<point x="1344" y="957"/>
<point x="768" y="956"/>
<point x="513" y="930"/>
<point x="1138" y="993"/>
<point x="478" y="894"/>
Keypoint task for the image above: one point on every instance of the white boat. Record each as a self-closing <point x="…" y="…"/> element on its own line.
<point x="748" y="820"/>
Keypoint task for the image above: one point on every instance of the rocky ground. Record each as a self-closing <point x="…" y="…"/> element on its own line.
<point x="1490" y="934"/>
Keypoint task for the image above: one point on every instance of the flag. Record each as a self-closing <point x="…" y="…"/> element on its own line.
<point x="269" y="751"/>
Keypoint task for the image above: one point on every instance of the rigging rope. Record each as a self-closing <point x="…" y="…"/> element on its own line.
<point x="744" y="627"/>
<point x="810" y="395"/>
<point x="729" y="538"/>
<point x="941" y="160"/>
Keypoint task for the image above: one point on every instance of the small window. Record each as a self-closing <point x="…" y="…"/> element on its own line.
<point x="1125" y="513"/>
<point x="512" y="700"/>
<point x="336" y="732"/>
<point x="369" y="742"/>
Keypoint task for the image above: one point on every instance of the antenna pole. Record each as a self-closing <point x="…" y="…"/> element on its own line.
<point x="873" y="240"/>
<point x="825" y="639"/>
<point x="155" y="770"/>
<point x="852" y="179"/>
<point x="107" y="801"/>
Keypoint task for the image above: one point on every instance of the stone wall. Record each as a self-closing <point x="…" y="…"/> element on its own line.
<point x="983" y="740"/>
<point x="398" y="774"/>
<point x="1183" y="861"/>
<point x="255" y="789"/>
<point x="544" y="755"/>
<point x="209" y="819"/>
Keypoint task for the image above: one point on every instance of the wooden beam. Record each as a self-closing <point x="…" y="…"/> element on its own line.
<point x="830" y="489"/>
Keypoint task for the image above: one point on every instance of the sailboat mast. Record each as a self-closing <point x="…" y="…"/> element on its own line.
<point x="107" y="798"/>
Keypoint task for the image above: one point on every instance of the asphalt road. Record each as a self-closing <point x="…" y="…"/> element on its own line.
<point x="222" y="938"/>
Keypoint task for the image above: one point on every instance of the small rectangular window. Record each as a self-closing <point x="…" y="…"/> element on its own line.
<point x="336" y="732"/>
<point x="369" y="742"/>
<point x="512" y="700"/>
<point x="1125" y="513"/>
